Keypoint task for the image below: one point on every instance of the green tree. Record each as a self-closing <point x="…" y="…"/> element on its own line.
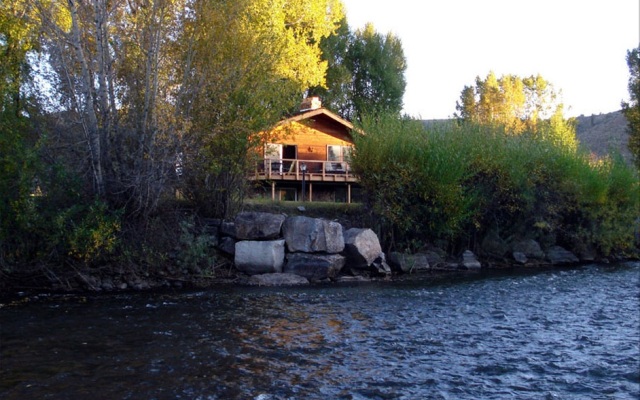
<point x="631" y="109"/>
<point x="18" y="37"/>
<point x="365" y="72"/>
<point x="337" y="94"/>
<point x="377" y="63"/>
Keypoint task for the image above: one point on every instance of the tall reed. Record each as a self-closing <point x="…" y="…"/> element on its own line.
<point x="455" y="183"/>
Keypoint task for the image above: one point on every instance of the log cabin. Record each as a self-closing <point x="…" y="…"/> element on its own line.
<point x="306" y="157"/>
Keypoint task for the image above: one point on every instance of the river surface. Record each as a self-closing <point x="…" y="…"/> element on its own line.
<point x="551" y="334"/>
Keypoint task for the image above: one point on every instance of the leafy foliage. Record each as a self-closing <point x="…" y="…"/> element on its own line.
<point x="247" y="62"/>
<point x="131" y="90"/>
<point x="337" y="93"/>
<point x="631" y="110"/>
<point x="518" y="104"/>
<point x="457" y="182"/>
<point x="365" y="72"/>
<point x="378" y="64"/>
<point x="197" y="249"/>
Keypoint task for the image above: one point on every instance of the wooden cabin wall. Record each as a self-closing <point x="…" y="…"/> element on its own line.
<point x="312" y="143"/>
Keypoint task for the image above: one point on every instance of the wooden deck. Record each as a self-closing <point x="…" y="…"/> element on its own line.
<point x="292" y="170"/>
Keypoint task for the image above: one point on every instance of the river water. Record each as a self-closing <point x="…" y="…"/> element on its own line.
<point x="551" y="334"/>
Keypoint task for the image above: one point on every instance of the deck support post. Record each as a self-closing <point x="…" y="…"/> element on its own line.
<point x="273" y="191"/>
<point x="348" y="193"/>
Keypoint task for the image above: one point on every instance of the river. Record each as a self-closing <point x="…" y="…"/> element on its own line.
<point x="571" y="333"/>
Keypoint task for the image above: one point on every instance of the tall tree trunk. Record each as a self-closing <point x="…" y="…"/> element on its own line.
<point x="90" y="125"/>
<point x="106" y="95"/>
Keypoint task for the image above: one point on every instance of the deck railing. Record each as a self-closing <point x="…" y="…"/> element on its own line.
<point x="314" y="170"/>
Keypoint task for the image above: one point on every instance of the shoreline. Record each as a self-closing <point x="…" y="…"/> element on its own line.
<point x="18" y="293"/>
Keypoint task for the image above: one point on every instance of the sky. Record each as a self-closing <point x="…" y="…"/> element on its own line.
<point x="579" y="46"/>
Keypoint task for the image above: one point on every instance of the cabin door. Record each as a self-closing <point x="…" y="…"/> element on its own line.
<point x="289" y="154"/>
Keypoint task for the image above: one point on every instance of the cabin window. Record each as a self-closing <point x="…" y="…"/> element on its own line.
<point x="337" y="158"/>
<point x="273" y="157"/>
<point x="273" y="151"/>
<point x="338" y="153"/>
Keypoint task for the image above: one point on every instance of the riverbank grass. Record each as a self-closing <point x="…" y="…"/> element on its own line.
<point x="456" y="183"/>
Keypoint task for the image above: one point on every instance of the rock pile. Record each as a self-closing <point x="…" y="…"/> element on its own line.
<point x="275" y="249"/>
<point x="312" y="248"/>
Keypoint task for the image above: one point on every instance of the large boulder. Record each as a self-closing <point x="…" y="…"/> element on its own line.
<point x="493" y="246"/>
<point x="277" y="279"/>
<point x="314" y="267"/>
<point x="530" y="248"/>
<point x="362" y="247"/>
<point x="559" y="256"/>
<point x="313" y="235"/>
<point x="469" y="261"/>
<point x="258" y="225"/>
<point x="408" y="263"/>
<point x="436" y="259"/>
<point x="259" y="257"/>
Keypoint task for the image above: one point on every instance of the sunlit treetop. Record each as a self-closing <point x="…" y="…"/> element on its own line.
<point x="292" y="30"/>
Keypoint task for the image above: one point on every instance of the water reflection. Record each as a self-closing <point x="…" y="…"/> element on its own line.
<point x="556" y="334"/>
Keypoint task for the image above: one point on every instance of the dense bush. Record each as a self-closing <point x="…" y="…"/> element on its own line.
<point x="54" y="224"/>
<point x="455" y="183"/>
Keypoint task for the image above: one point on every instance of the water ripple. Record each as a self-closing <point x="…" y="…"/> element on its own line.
<point x="556" y="334"/>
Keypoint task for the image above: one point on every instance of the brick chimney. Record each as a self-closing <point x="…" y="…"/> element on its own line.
<point x="310" y="103"/>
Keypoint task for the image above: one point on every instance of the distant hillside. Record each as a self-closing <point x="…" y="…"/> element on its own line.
<point x="600" y="134"/>
<point x="604" y="133"/>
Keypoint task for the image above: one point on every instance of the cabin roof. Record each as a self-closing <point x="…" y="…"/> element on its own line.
<point x="319" y="114"/>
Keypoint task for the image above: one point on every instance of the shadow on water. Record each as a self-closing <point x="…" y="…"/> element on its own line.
<point x="556" y="333"/>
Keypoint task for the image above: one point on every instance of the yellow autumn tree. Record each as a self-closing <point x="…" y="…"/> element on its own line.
<point x="247" y="62"/>
<point x="520" y="105"/>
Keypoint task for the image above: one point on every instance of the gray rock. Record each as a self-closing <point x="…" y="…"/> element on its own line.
<point x="314" y="267"/>
<point x="469" y="261"/>
<point x="520" y="258"/>
<point x="142" y="285"/>
<point x="380" y="267"/>
<point x="258" y="226"/>
<point x="362" y="247"/>
<point x="352" y="278"/>
<point x="227" y="245"/>
<point x="277" y="279"/>
<point x="530" y="248"/>
<point x="259" y="257"/>
<point x="311" y="235"/>
<point x="227" y="228"/>
<point x="559" y="256"/>
<point x="493" y="246"/>
<point x="408" y="263"/>
<point x="107" y="284"/>
<point x="434" y="259"/>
